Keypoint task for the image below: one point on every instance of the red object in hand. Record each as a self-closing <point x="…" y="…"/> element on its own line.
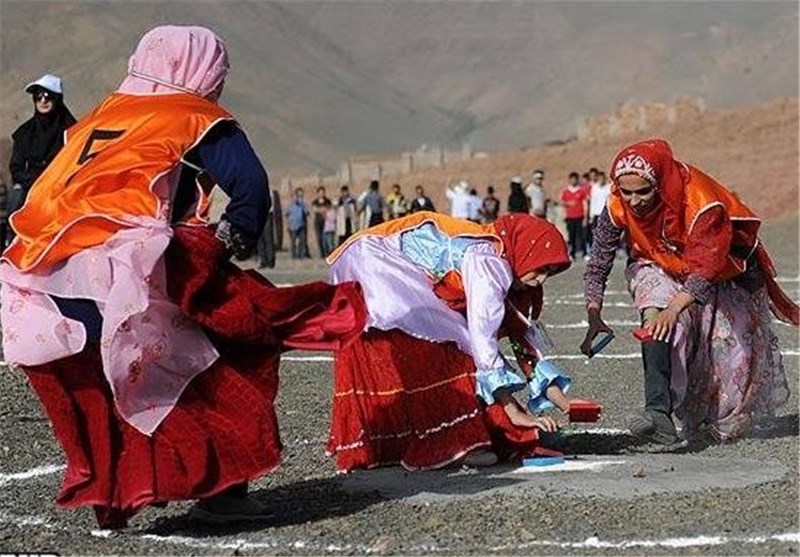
<point x="642" y="335"/>
<point x="582" y="410"/>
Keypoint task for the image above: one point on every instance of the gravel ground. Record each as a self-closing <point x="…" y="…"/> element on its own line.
<point x="745" y="509"/>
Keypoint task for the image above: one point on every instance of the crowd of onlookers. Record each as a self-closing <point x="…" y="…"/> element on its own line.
<point x="579" y="204"/>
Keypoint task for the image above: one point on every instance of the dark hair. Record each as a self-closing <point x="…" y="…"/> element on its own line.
<point x="574" y="175"/>
<point x="490" y="190"/>
<point x="374" y="185"/>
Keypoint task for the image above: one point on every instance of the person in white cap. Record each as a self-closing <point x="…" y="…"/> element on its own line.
<point x="39" y="139"/>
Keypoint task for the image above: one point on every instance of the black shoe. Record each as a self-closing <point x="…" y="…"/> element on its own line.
<point x="654" y="427"/>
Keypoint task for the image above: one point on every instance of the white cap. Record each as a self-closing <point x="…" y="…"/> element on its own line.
<point x="49" y="82"/>
<point x="516" y="180"/>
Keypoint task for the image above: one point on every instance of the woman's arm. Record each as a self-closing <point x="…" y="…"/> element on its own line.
<point x="487" y="279"/>
<point x="598" y="268"/>
<point x="230" y="159"/>
<point x="706" y="254"/>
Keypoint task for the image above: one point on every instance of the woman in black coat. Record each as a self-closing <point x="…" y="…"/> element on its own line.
<point x="37" y="141"/>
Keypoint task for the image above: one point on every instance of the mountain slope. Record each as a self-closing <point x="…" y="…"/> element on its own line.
<point x="314" y="82"/>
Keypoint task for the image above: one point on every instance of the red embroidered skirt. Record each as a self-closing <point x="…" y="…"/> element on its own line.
<point x="398" y="399"/>
<point x="224" y="429"/>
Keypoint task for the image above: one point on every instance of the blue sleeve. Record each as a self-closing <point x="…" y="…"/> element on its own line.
<point x="228" y="156"/>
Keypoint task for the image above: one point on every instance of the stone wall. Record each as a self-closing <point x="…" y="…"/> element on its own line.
<point x="631" y="118"/>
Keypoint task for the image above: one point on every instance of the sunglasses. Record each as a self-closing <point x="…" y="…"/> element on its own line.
<point x="43" y="96"/>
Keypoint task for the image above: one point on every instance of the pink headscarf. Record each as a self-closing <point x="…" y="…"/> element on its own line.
<point x="176" y="59"/>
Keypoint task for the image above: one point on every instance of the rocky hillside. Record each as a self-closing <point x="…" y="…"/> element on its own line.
<point x="315" y="82"/>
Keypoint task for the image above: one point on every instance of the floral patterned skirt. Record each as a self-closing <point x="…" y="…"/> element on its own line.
<point x="727" y="368"/>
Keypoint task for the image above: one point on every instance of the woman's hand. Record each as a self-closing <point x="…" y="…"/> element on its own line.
<point x="546" y="423"/>
<point x="596" y="326"/>
<point x="519" y="416"/>
<point x="661" y="325"/>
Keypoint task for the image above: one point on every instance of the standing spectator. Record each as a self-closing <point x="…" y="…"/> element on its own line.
<point x="329" y="228"/>
<point x="277" y="217"/>
<point x="490" y="208"/>
<point x="421" y="201"/>
<point x="266" y="242"/>
<point x="475" y="204"/>
<point x="398" y="206"/>
<point x="517" y="200"/>
<point x="297" y="221"/>
<point x="346" y="212"/>
<point x="537" y="196"/>
<point x="318" y="206"/>
<point x="373" y="204"/>
<point x="459" y="200"/>
<point x="39" y="139"/>
<point x="574" y="198"/>
<point x="598" y="195"/>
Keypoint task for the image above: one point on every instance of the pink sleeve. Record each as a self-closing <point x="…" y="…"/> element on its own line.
<point x="487" y="279"/>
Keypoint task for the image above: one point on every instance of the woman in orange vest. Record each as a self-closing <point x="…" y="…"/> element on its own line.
<point x="119" y="304"/>
<point x="426" y="384"/>
<point x="704" y="286"/>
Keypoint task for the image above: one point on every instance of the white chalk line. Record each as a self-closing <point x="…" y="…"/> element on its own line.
<point x="32" y="473"/>
<point x="245" y="544"/>
<point x="672" y="543"/>
<point x="50" y="469"/>
<point x="624" y="356"/>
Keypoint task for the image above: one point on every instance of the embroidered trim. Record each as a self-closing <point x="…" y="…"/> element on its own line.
<point x="635" y="164"/>
<point x="401" y="390"/>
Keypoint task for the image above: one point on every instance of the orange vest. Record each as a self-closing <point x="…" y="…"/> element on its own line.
<point x="449" y="287"/>
<point x="702" y="193"/>
<point x="105" y="173"/>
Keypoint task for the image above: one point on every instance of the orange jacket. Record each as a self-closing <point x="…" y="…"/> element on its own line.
<point x="106" y="173"/>
<point x="702" y="193"/>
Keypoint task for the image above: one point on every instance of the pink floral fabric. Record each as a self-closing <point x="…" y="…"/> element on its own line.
<point x="727" y="368"/>
<point x="150" y="350"/>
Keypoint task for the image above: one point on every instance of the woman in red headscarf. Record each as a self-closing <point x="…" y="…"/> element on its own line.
<point x="704" y="285"/>
<point x="426" y="385"/>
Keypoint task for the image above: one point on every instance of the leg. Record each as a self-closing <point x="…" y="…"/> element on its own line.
<point x="656" y="420"/>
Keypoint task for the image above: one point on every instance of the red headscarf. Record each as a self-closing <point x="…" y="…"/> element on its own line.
<point x="531" y="243"/>
<point x="653" y="161"/>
